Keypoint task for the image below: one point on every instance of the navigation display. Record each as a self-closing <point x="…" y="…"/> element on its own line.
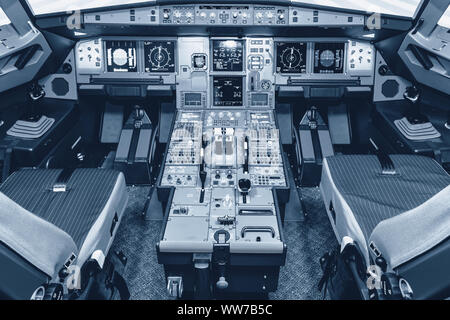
<point x="159" y="56"/>
<point x="227" y="91"/>
<point x="121" y="56"/>
<point x="228" y="55"/>
<point x="329" y="57"/>
<point x="291" y="57"/>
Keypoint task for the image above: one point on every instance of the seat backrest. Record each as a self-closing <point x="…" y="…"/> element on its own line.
<point x="18" y="279"/>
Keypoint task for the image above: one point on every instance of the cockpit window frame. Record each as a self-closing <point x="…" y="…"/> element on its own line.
<point x="4" y="19"/>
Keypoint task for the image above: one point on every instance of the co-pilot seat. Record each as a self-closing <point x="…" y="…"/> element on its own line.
<point x="53" y="217"/>
<point x="396" y="208"/>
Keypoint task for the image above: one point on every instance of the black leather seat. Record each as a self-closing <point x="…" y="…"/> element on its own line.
<point x="402" y="216"/>
<point x="373" y="197"/>
<point x="88" y="206"/>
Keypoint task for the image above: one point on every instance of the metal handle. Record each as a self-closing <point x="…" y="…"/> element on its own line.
<point x="255" y="212"/>
<point x="257" y="229"/>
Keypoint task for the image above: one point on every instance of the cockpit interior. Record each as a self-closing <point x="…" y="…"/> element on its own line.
<point x="240" y="149"/>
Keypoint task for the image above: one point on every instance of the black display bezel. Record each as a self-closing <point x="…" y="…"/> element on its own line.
<point x="228" y="102"/>
<point x="125" y="45"/>
<point x="148" y="44"/>
<point x="336" y="47"/>
<point x="236" y="67"/>
<point x="302" y="46"/>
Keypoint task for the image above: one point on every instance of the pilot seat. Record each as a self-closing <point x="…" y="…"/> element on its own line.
<point x="56" y="224"/>
<point x="392" y="219"/>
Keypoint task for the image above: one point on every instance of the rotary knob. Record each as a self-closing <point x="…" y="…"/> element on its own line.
<point x="166" y="16"/>
<point x="269" y="15"/>
<point x="188" y="15"/>
<point x="177" y="14"/>
<point x="212" y="15"/>
<point x="235" y="15"/>
<point x="203" y="15"/>
<point x="281" y="16"/>
<point x="259" y="15"/>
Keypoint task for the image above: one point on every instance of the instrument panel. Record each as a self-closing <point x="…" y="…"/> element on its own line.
<point x="291" y="57"/>
<point x="159" y="56"/>
<point x="121" y="56"/>
<point x="208" y="14"/>
<point x="329" y="57"/>
<point x="223" y="166"/>
<point x="225" y="72"/>
<point x="228" y="55"/>
<point x="228" y="91"/>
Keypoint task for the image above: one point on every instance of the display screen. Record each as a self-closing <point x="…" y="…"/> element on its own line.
<point x="227" y="91"/>
<point x="260" y="99"/>
<point x="228" y="55"/>
<point x="192" y="99"/>
<point x="159" y="56"/>
<point x="121" y="56"/>
<point x="329" y="57"/>
<point x="291" y="57"/>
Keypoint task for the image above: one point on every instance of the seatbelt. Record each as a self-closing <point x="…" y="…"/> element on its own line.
<point x="316" y="145"/>
<point x="5" y="157"/>
<point x="120" y="284"/>
<point x="133" y="144"/>
<point x="328" y="265"/>
<point x="6" y="153"/>
<point x="312" y="115"/>
<point x="387" y="166"/>
<point x="60" y="184"/>
<point x="100" y="280"/>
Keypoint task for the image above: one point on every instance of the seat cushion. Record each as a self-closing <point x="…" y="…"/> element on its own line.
<point x="74" y="211"/>
<point x="371" y="197"/>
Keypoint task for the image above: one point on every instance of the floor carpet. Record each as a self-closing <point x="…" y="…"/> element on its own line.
<point x="306" y="240"/>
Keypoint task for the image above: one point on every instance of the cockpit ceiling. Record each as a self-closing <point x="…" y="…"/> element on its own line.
<point x="403" y="8"/>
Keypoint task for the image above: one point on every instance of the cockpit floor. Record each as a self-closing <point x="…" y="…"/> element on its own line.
<point x="307" y="241"/>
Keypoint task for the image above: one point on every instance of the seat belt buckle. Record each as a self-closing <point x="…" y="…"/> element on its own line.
<point x="59" y="187"/>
